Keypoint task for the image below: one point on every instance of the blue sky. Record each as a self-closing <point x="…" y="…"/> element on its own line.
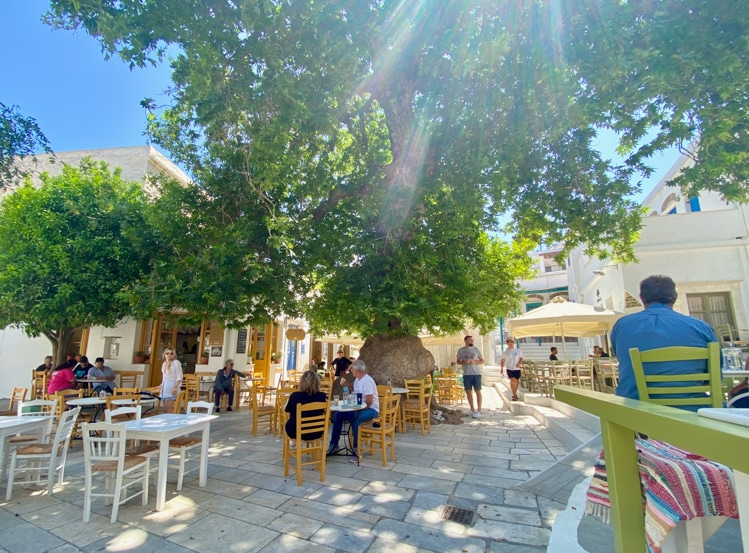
<point x="81" y="101"/>
<point x="62" y="80"/>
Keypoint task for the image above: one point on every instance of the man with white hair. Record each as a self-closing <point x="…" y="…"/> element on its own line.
<point x="364" y="385"/>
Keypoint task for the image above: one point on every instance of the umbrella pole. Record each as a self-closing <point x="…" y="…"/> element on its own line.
<point x="564" y="342"/>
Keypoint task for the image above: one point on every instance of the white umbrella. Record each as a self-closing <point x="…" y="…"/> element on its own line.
<point x="563" y="318"/>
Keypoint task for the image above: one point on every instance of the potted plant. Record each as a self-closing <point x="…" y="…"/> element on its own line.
<point x="203" y="358"/>
<point x="275" y="356"/>
<point x="139" y="357"/>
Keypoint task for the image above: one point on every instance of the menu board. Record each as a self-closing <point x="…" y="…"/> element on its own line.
<point x="242" y="340"/>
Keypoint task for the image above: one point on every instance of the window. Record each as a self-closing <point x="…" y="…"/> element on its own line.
<point x="693" y="205"/>
<point x="715" y="308"/>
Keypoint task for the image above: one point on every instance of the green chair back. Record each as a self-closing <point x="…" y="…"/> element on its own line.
<point x="652" y="387"/>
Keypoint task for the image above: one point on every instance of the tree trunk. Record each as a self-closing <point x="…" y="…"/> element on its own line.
<point x="396" y="358"/>
<point x="60" y="341"/>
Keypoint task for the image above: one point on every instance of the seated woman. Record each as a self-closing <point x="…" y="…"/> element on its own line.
<point x="62" y="378"/>
<point x="309" y="392"/>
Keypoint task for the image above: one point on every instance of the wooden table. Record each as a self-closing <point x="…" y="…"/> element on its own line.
<point x="163" y="428"/>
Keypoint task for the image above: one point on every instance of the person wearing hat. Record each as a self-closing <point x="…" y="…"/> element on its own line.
<point x="513" y="358"/>
<point x="470" y="358"/>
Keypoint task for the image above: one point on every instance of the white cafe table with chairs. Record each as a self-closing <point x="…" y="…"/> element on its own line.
<point x="165" y="427"/>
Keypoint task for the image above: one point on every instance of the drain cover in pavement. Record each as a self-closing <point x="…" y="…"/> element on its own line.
<point x="456" y="514"/>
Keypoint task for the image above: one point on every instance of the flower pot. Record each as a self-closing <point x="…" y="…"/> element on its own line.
<point x="203" y="361"/>
<point x="139" y="359"/>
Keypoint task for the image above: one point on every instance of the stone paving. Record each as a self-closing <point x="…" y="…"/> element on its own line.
<point x="249" y="506"/>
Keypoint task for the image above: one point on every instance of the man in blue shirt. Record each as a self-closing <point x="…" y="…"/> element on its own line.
<point x="658" y="326"/>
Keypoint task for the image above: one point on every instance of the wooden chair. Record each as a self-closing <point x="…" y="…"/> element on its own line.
<point x="40" y="380"/>
<point x="417" y="407"/>
<point x="105" y="451"/>
<point x="180" y="403"/>
<point x="262" y="412"/>
<point x="125" y="391"/>
<point x="124" y="414"/>
<point x="606" y="375"/>
<point x="17" y="396"/>
<point x="191" y="383"/>
<point x="326" y="386"/>
<point x="43" y="458"/>
<point x="241" y="390"/>
<point x="134" y="399"/>
<point x="152" y="409"/>
<point x="184" y="444"/>
<point x="447" y="390"/>
<point x="384" y="436"/>
<point x="312" y="418"/>
<point x="280" y="417"/>
<point x="128" y="379"/>
<point x="583" y="374"/>
<point x="62" y="397"/>
<point x="652" y="386"/>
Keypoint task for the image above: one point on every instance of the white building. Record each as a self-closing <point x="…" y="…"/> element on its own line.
<point x="702" y="243"/>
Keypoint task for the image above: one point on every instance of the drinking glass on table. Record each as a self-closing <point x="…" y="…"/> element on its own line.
<point x="336" y="400"/>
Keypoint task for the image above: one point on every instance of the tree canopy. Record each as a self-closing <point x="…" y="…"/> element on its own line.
<point x="20" y="136"/>
<point x="375" y="151"/>
<point x="70" y="249"/>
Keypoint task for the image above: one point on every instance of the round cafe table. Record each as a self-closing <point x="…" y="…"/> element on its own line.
<point x="347" y="448"/>
<point x="95" y="402"/>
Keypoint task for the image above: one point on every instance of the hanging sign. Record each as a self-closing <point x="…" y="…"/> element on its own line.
<point x="295" y="334"/>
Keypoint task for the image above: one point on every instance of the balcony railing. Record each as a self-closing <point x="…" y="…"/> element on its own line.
<point x="716" y="440"/>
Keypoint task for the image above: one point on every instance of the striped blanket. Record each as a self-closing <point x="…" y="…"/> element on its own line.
<point x="677" y="485"/>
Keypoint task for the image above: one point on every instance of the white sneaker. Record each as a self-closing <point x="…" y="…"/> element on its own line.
<point x="476" y="414"/>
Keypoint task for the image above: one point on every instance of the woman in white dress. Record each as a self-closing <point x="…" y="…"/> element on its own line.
<point x="171" y="379"/>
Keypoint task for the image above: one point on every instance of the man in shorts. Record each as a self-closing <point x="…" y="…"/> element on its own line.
<point x="471" y="359"/>
<point x="512" y="357"/>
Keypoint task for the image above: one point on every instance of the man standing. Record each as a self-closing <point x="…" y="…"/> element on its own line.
<point x="341" y="364"/>
<point x="225" y="385"/>
<point x="99" y="370"/>
<point x="513" y="358"/>
<point x="471" y="359"/>
<point x="46" y="366"/>
<point x="658" y="326"/>
<point x="364" y="385"/>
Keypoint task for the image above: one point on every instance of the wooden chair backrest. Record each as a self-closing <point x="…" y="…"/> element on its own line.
<point x="125" y="391"/>
<point x="652" y="386"/>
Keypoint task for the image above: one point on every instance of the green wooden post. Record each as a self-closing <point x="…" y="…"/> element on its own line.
<point x="625" y="493"/>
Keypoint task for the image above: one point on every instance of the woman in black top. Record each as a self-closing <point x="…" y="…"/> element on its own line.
<point x="309" y="392"/>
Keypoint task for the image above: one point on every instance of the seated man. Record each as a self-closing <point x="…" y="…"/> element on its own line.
<point x="82" y="368"/>
<point x="99" y="370"/>
<point x="364" y="385"/>
<point x="225" y="384"/>
<point x="658" y="326"/>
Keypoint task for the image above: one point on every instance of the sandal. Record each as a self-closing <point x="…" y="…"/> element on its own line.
<point x="515" y="398"/>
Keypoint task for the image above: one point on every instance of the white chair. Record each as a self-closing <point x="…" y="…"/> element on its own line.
<point x="183" y="444"/>
<point x="33" y="408"/>
<point x="136" y="448"/>
<point x="104" y="447"/>
<point x="40" y="458"/>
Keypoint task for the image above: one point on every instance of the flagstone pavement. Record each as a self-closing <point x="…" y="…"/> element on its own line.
<point x="249" y="506"/>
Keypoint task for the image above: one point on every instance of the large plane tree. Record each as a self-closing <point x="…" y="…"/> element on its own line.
<point x="391" y="148"/>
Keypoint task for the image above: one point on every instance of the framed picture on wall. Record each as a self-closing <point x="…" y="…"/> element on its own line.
<point x="216" y="351"/>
